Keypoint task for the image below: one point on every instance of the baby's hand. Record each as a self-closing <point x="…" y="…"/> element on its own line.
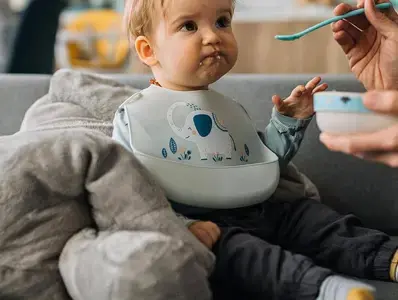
<point x="206" y="232"/>
<point x="300" y="103"/>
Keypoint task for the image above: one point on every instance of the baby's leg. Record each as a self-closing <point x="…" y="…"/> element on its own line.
<point x="261" y="270"/>
<point x="337" y="242"/>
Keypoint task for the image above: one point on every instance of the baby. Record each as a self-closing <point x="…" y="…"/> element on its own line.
<point x="273" y="249"/>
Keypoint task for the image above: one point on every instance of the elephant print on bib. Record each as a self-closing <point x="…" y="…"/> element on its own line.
<point x="204" y="129"/>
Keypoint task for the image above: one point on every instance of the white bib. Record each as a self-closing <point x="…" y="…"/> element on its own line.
<point x="196" y="142"/>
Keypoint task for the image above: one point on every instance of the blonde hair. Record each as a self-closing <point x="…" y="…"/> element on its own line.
<point x="138" y="16"/>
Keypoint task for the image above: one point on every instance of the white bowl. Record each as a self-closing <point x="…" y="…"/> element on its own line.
<point x="213" y="187"/>
<point x="343" y="112"/>
<point x="340" y="122"/>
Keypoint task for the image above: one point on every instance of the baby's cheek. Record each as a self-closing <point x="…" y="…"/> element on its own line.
<point x="233" y="50"/>
<point x="184" y="61"/>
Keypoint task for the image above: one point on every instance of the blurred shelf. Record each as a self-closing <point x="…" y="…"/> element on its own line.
<point x="265" y="13"/>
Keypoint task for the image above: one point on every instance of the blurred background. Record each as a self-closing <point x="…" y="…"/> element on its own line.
<point x="41" y="36"/>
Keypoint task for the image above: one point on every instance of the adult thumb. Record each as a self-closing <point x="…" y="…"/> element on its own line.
<point x="385" y="102"/>
<point x="378" y="19"/>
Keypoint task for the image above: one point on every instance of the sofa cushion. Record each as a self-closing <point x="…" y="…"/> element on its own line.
<point x="17" y="94"/>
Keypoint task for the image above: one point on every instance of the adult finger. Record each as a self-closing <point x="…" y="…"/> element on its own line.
<point x="384" y="140"/>
<point x="382" y="22"/>
<point x="389" y="158"/>
<point x="346" y="32"/>
<point x="391" y="13"/>
<point x="349" y="28"/>
<point x="342" y="9"/>
<point x="359" y="21"/>
<point x="361" y="3"/>
<point x="346" y="41"/>
<point x="352" y="25"/>
<point x="382" y="101"/>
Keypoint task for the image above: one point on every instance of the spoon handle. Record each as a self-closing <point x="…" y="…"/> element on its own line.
<point x="347" y="15"/>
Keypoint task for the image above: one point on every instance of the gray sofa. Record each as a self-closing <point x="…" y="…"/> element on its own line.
<point x="345" y="183"/>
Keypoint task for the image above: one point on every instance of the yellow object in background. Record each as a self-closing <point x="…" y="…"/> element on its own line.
<point x="96" y="40"/>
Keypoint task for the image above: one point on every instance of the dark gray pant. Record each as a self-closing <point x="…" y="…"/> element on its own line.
<point x="284" y="250"/>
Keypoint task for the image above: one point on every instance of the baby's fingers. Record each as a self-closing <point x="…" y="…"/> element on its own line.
<point x="320" y="88"/>
<point x="298" y="91"/>
<point x="214" y="232"/>
<point x="278" y="102"/>
<point x="312" y="83"/>
<point x="205" y="237"/>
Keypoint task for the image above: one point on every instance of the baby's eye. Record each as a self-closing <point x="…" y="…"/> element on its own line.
<point x="223" y="22"/>
<point x="189" y="26"/>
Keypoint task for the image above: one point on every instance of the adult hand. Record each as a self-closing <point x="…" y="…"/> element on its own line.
<point x="381" y="146"/>
<point x="206" y="232"/>
<point x="370" y="44"/>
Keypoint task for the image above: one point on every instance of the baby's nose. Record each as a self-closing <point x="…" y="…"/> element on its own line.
<point x="210" y="36"/>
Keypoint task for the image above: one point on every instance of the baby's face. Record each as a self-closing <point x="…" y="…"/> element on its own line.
<point x="194" y="43"/>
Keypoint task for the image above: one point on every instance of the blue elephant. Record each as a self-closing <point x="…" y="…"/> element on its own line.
<point x="205" y="130"/>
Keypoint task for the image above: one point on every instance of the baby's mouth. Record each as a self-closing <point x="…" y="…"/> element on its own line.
<point x="211" y="59"/>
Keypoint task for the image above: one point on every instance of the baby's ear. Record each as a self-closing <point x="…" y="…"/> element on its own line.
<point x="145" y="51"/>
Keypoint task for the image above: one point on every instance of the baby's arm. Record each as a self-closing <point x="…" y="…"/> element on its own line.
<point x="290" y="118"/>
<point x="284" y="135"/>
<point x="121" y="134"/>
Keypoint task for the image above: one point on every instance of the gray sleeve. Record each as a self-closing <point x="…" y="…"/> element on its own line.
<point x="121" y="134"/>
<point x="284" y="135"/>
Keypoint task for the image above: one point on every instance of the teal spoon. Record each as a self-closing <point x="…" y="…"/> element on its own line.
<point x="356" y="12"/>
